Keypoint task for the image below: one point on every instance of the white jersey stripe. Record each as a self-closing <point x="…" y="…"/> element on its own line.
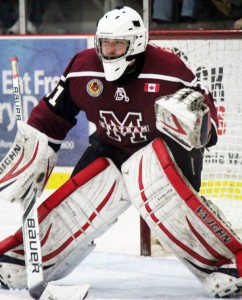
<point x="54" y="141"/>
<point x="168" y="78"/>
<point x="141" y="76"/>
<point x="85" y="73"/>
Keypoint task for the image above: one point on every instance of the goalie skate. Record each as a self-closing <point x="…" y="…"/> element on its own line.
<point x="221" y="285"/>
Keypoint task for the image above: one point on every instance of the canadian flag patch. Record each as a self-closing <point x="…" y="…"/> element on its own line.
<point x="152" y="87"/>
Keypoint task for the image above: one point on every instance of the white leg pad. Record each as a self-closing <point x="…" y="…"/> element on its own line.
<point x="176" y="213"/>
<point x="70" y="219"/>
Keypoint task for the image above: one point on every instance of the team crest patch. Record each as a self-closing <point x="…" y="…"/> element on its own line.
<point x="94" y="87"/>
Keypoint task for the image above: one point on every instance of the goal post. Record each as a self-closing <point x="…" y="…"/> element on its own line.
<point x="215" y="56"/>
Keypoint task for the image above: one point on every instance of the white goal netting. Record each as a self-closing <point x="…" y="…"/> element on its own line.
<point x="217" y="62"/>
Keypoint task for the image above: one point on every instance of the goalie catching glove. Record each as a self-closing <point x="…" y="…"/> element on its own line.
<point x="27" y="165"/>
<point x="184" y="117"/>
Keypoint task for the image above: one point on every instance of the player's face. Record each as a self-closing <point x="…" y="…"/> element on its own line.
<point x="114" y="48"/>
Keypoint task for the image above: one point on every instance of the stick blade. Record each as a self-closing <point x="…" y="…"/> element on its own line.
<point x="36" y="291"/>
<point x="64" y="292"/>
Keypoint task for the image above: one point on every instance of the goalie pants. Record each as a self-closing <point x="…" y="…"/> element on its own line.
<point x="190" y="162"/>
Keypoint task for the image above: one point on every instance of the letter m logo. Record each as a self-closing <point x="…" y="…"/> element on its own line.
<point x="129" y="126"/>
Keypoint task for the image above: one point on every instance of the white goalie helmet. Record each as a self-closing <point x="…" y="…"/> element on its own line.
<point x="122" y="25"/>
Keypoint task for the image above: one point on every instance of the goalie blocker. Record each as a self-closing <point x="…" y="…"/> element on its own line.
<point x="70" y="219"/>
<point x="27" y="165"/>
<point x="190" y="226"/>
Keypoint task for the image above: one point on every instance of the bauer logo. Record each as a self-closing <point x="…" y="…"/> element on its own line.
<point x="32" y="239"/>
<point x="94" y="87"/>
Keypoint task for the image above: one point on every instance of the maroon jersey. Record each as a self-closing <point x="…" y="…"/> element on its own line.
<point x="123" y="110"/>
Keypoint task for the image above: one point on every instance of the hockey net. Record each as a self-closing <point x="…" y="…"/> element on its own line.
<point x="216" y="58"/>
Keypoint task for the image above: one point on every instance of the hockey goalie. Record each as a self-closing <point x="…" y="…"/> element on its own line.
<point x="153" y="120"/>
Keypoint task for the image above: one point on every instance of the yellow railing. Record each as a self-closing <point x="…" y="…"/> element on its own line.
<point x="222" y="189"/>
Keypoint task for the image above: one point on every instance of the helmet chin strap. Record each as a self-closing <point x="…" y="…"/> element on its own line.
<point x="131" y="67"/>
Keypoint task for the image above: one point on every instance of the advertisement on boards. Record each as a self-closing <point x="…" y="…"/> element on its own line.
<point x="42" y="61"/>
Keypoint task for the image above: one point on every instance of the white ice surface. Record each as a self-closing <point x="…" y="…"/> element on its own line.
<point x="115" y="270"/>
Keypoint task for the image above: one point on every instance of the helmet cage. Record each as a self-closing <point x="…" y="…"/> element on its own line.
<point x="104" y="58"/>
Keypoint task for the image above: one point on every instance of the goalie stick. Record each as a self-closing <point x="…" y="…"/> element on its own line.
<point x="38" y="288"/>
<point x="34" y="271"/>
